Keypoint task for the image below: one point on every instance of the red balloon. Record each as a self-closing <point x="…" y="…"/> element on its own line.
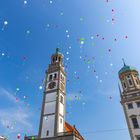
<point x="18" y="136"/>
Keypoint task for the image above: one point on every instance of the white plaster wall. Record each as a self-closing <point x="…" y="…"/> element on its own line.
<point x="49" y="107"/>
<point x="61" y="109"/>
<point x="48" y="124"/>
<point x="50" y="97"/>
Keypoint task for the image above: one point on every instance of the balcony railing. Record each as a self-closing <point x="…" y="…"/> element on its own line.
<point x="131" y="95"/>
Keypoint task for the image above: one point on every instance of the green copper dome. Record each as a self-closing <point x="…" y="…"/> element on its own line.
<point x="57" y="51"/>
<point x="127" y="68"/>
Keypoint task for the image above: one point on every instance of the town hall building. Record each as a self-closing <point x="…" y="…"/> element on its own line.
<point x="52" y="121"/>
<point x="130" y="99"/>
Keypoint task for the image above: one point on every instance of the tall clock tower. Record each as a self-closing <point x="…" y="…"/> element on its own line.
<point x="52" y="120"/>
<point x="130" y="99"/>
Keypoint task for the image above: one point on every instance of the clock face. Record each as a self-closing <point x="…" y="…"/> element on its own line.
<point x="52" y="85"/>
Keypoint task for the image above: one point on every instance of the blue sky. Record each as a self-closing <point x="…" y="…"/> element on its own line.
<point x="93" y="35"/>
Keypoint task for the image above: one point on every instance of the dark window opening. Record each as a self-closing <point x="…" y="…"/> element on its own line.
<point x="130" y="106"/>
<point x="47" y="133"/>
<point x="56" y="58"/>
<point x="135" y="123"/>
<point x="61" y="121"/>
<point x="124" y="85"/>
<point x="61" y="76"/>
<point x="128" y="76"/>
<point x="138" y="104"/>
<point x="130" y="82"/>
<point x="55" y="76"/>
<point x="59" y="59"/>
<point x="138" y="137"/>
<point x="50" y="78"/>
<point x="53" y="59"/>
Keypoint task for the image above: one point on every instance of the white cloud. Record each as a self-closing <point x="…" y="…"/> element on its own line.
<point x="8" y="95"/>
<point x="14" y="119"/>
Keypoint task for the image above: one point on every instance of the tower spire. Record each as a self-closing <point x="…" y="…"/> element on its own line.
<point x="123" y="61"/>
<point x="57" y="50"/>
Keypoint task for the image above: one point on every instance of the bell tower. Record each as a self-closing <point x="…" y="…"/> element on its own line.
<point x="130" y="99"/>
<point x="52" y="118"/>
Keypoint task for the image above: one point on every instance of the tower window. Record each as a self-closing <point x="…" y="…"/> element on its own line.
<point x="55" y="75"/>
<point x="47" y="134"/>
<point x="130" y="106"/>
<point x="138" y="137"/>
<point x="61" y="120"/>
<point x="61" y="99"/>
<point x="135" y="123"/>
<point x="59" y="59"/>
<point x="53" y="59"/>
<point x="124" y="85"/>
<point x="50" y="77"/>
<point x="138" y="104"/>
<point x="56" y="58"/>
<point x="130" y="82"/>
<point x="61" y="76"/>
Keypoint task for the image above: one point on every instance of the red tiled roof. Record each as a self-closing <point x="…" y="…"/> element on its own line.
<point x="72" y="129"/>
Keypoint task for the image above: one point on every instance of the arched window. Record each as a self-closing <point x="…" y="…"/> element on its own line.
<point x="135" y="122"/>
<point x="129" y="80"/>
<point x="47" y="133"/>
<point x="55" y="75"/>
<point x="61" y="76"/>
<point x="124" y="84"/>
<point x="50" y="77"/>
<point x="61" y="121"/>
<point x="59" y="59"/>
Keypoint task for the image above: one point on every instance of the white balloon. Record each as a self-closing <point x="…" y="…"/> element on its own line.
<point x="25" y="2"/>
<point x="5" y="22"/>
